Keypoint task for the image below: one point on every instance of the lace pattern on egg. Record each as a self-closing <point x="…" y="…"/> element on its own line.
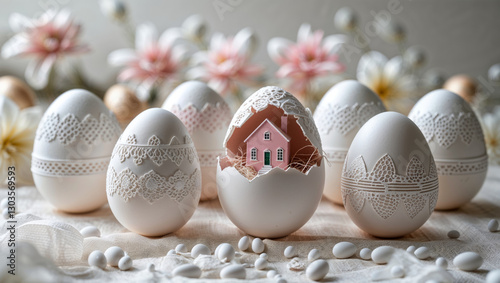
<point x="211" y="118"/>
<point x="447" y="129"/>
<point x="344" y="118"/>
<point x="277" y="97"/>
<point x="209" y="158"/>
<point x="155" y="150"/>
<point x="67" y="130"/>
<point x="336" y="156"/>
<point x="151" y="186"/>
<point x="385" y="189"/>
<point x="462" y="167"/>
<point x="69" y="167"/>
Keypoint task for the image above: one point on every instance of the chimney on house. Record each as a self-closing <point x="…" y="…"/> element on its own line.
<point x="284" y="123"/>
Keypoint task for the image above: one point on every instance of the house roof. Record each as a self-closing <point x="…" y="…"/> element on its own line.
<point x="287" y="137"/>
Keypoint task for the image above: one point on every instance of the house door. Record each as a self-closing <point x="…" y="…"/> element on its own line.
<point x="267" y="158"/>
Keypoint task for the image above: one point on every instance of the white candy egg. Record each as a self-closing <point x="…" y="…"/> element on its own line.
<point x="206" y="116"/>
<point x="154" y="180"/>
<point x="468" y="261"/>
<point x="125" y="263"/>
<point x="344" y="250"/>
<point x="71" y="151"/>
<point x="113" y="255"/>
<point x="234" y="271"/>
<point x="273" y="150"/>
<point x="382" y="254"/>
<point x="317" y="270"/>
<point x="389" y="181"/>
<point x="339" y="116"/>
<point x="200" y="249"/>
<point x="188" y="270"/>
<point x="244" y="243"/>
<point x="97" y="258"/>
<point x="456" y="140"/>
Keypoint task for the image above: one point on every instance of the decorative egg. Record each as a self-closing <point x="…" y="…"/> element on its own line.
<point x="271" y="180"/>
<point x="154" y="181"/>
<point x="339" y="116"/>
<point x="17" y="91"/>
<point x="389" y="180"/>
<point x="456" y="140"/>
<point x="206" y="116"/>
<point x="124" y="103"/>
<point x="71" y="152"/>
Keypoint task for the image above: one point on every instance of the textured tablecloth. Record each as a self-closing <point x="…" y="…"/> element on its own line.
<point x="209" y="225"/>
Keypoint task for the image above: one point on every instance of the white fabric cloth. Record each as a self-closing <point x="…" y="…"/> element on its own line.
<point x="62" y="252"/>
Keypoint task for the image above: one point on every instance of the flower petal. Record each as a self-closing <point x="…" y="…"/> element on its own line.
<point x="122" y="57"/>
<point x="370" y="66"/>
<point x="145" y="36"/>
<point x="276" y="48"/>
<point x="304" y="33"/>
<point x="37" y="72"/>
<point x="18" y="23"/>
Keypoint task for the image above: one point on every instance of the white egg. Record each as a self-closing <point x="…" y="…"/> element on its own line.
<point x="125" y="263"/>
<point x="290" y="252"/>
<point x="344" y="250"/>
<point x="225" y="252"/>
<point x="234" y="271"/>
<point x="382" y="254"/>
<point x="493" y="276"/>
<point x="71" y="151"/>
<point x="206" y="116"/>
<point x="97" y="258"/>
<point x="200" y="249"/>
<point x="339" y="116"/>
<point x="453" y="234"/>
<point x="423" y="253"/>
<point x="244" y="243"/>
<point x="456" y="140"/>
<point x="258" y="246"/>
<point x="365" y="253"/>
<point x="468" y="261"/>
<point x="154" y="180"/>
<point x="260" y="263"/>
<point x="90" y="231"/>
<point x="317" y="270"/>
<point x="389" y="181"/>
<point x="442" y="262"/>
<point x="273" y="149"/>
<point x="493" y="225"/>
<point x="313" y="255"/>
<point x="188" y="270"/>
<point x="113" y="255"/>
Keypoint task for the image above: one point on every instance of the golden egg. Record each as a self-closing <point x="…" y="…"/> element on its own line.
<point x="462" y="85"/>
<point x="17" y="91"/>
<point x="124" y="103"/>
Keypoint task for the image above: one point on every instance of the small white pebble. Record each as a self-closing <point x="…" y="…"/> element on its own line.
<point x="5" y="213"/>
<point x="113" y="255"/>
<point x="493" y="276"/>
<point x="271" y="274"/>
<point x="397" y="271"/>
<point x="441" y="262"/>
<point x="244" y="243"/>
<point x="411" y="249"/>
<point x="290" y="252"/>
<point x="200" y="249"/>
<point x="151" y="267"/>
<point x="317" y="270"/>
<point x="125" y="263"/>
<point x="4" y="203"/>
<point x="453" y="234"/>
<point x="181" y="248"/>
<point x="313" y="255"/>
<point x="98" y="259"/>
<point x="225" y="252"/>
<point x="365" y="253"/>
<point x="344" y="250"/>
<point x="264" y="256"/>
<point x="260" y="263"/>
<point x="258" y="246"/>
<point x="493" y="225"/>
<point x="423" y="253"/>
<point x="187" y="270"/>
<point x="171" y="252"/>
<point x="90" y="231"/>
<point x="235" y="271"/>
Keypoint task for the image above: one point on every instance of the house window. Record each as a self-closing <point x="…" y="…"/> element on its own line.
<point x="279" y="154"/>
<point x="267" y="136"/>
<point x="253" y="154"/>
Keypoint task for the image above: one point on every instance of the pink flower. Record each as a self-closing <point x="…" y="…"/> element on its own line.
<point x="48" y="37"/>
<point x="227" y="62"/>
<point x="309" y="58"/>
<point x="155" y="59"/>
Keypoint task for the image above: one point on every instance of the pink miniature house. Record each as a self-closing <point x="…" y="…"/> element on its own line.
<point x="268" y="146"/>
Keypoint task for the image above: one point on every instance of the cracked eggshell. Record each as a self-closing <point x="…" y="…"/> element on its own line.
<point x="206" y="116"/>
<point x="154" y="182"/>
<point x="71" y="151"/>
<point x="279" y="202"/>
<point x="456" y="140"/>
<point x="339" y="116"/>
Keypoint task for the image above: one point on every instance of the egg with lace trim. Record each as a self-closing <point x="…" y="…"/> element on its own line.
<point x="456" y="139"/>
<point x="271" y="179"/>
<point x="154" y="180"/>
<point x="389" y="182"/>
<point x="71" y="151"/>
<point x="206" y="116"/>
